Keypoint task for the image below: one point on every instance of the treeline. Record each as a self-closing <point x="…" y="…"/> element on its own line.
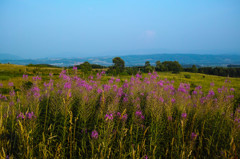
<point x="42" y="65"/>
<point x="119" y="68"/>
<point x="219" y="71"/>
<point x="86" y="67"/>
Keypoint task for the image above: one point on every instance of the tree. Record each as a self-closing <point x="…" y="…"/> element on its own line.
<point x="159" y="66"/>
<point x="194" y="69"/>
<point x="85" y="67"/>
<point x="173" y="66"/>
<point x="148" y="67"/>
<point x="158" y="63"/>
<point x="119" y="64"/>
<point x="147" y="63"/>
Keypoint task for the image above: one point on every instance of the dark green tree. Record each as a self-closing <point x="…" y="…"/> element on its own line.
<point x="147" y="63"/>
<point x="159" y="66"/>
<point x="173" y="66"/>
<point x="148" y="67"/>
<point x="119" y="65"/>
<point x="85" y="67"/>
<point x="194" y="69"/>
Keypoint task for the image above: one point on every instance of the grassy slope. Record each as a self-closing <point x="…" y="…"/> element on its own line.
<point x="13" y="73"/>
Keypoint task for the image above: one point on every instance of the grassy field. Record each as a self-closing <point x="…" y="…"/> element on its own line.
<point x="13" y="73"/>
<point x="158" y="115"/>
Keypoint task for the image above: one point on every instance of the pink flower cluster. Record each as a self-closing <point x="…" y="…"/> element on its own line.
<point x="37" y="78"/>
<point x="28" y="115"/>
<point x="139" y="115"/>
<point x="122" y="117"/>
<point x="3" y="97"/>
<point x="25" y="77"/>
<point x="94" y="134"/>
<point x="109" y="117"/>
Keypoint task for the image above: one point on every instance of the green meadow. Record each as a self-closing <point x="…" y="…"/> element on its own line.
<point x="63" y="113"/>
<point x="13" y="73"/>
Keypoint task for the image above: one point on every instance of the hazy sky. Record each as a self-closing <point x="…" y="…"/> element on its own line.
<point x="47" y="28"/>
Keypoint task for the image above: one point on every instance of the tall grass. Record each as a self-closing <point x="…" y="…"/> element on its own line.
<point x="139" y="118"/>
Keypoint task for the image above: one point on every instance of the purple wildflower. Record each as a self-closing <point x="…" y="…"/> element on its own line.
<point x="124" y="117"/>
<point x="227" y="81"/>
<point x="20" y="116"/>
<point x="139" y="114"/>
<point x="125" y="85"/>
<point x="36" y="91"/>
<point x="125" y="99"/>
<point x="30" y="115"/>
<point x="103" y="72"/>
<point x="12" y="93"/>
<point x="25" y="77"/>
<point x="90" y="77"/>
<point x="194" y="92"/>
<point x="193" y="136"/>
<point x="118" y="114"/>
<point x="3" y="97"/>
<point x="94" y="134"/>
<point x="161" y="99"/>
<point x="75" y="68"/>
<point x="67" y="85"/>
<point x="108" y="117"/>
<point x="211" y="93"/>
<point x="184" y="115"/>
<point x="169" y="118"/>
<point x="230" y="97"/>
<point x="106" y="87"/>
<point x="11" y="103"/>
<point x="10" y="84"/>
<point x="37" y="78"/>
<point x="138" y="75"/>
<point x="198" y="88"/>
<point x="99" y="91"/>
<point x="232" y="89"/>
<point x="110" y="81"/>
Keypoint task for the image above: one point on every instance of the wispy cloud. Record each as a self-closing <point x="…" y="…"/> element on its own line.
<point x="149" y="34"/>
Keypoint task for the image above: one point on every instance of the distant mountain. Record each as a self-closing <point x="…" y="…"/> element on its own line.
<point x="185" y="59"/>
<point x="138" y="60"/>
<point x="9" y="57"/>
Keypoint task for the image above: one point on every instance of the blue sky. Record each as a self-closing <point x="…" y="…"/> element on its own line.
<point x="81" y="28"/>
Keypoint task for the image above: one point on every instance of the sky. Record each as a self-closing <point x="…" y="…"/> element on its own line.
<point x="88" y="28"/>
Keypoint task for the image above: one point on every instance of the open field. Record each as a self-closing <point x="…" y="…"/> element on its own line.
<point x="143" y="116"/>
<point x="14" y="73"/>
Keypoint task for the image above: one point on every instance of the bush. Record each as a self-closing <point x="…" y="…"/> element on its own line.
<point x="27" y="85"/>
<point x="4" y="90"/>
<point x="187" y="76"/>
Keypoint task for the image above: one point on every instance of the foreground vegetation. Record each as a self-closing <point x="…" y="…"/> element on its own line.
<point x="72" y="115"/>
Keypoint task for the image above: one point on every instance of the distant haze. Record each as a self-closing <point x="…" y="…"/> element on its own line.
<point x="60" y="28"/>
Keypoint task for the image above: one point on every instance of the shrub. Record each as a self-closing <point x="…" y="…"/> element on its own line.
<point x="27" y="85"/>
<point x="187" y="76"/>
<point x="4" y="90"/>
